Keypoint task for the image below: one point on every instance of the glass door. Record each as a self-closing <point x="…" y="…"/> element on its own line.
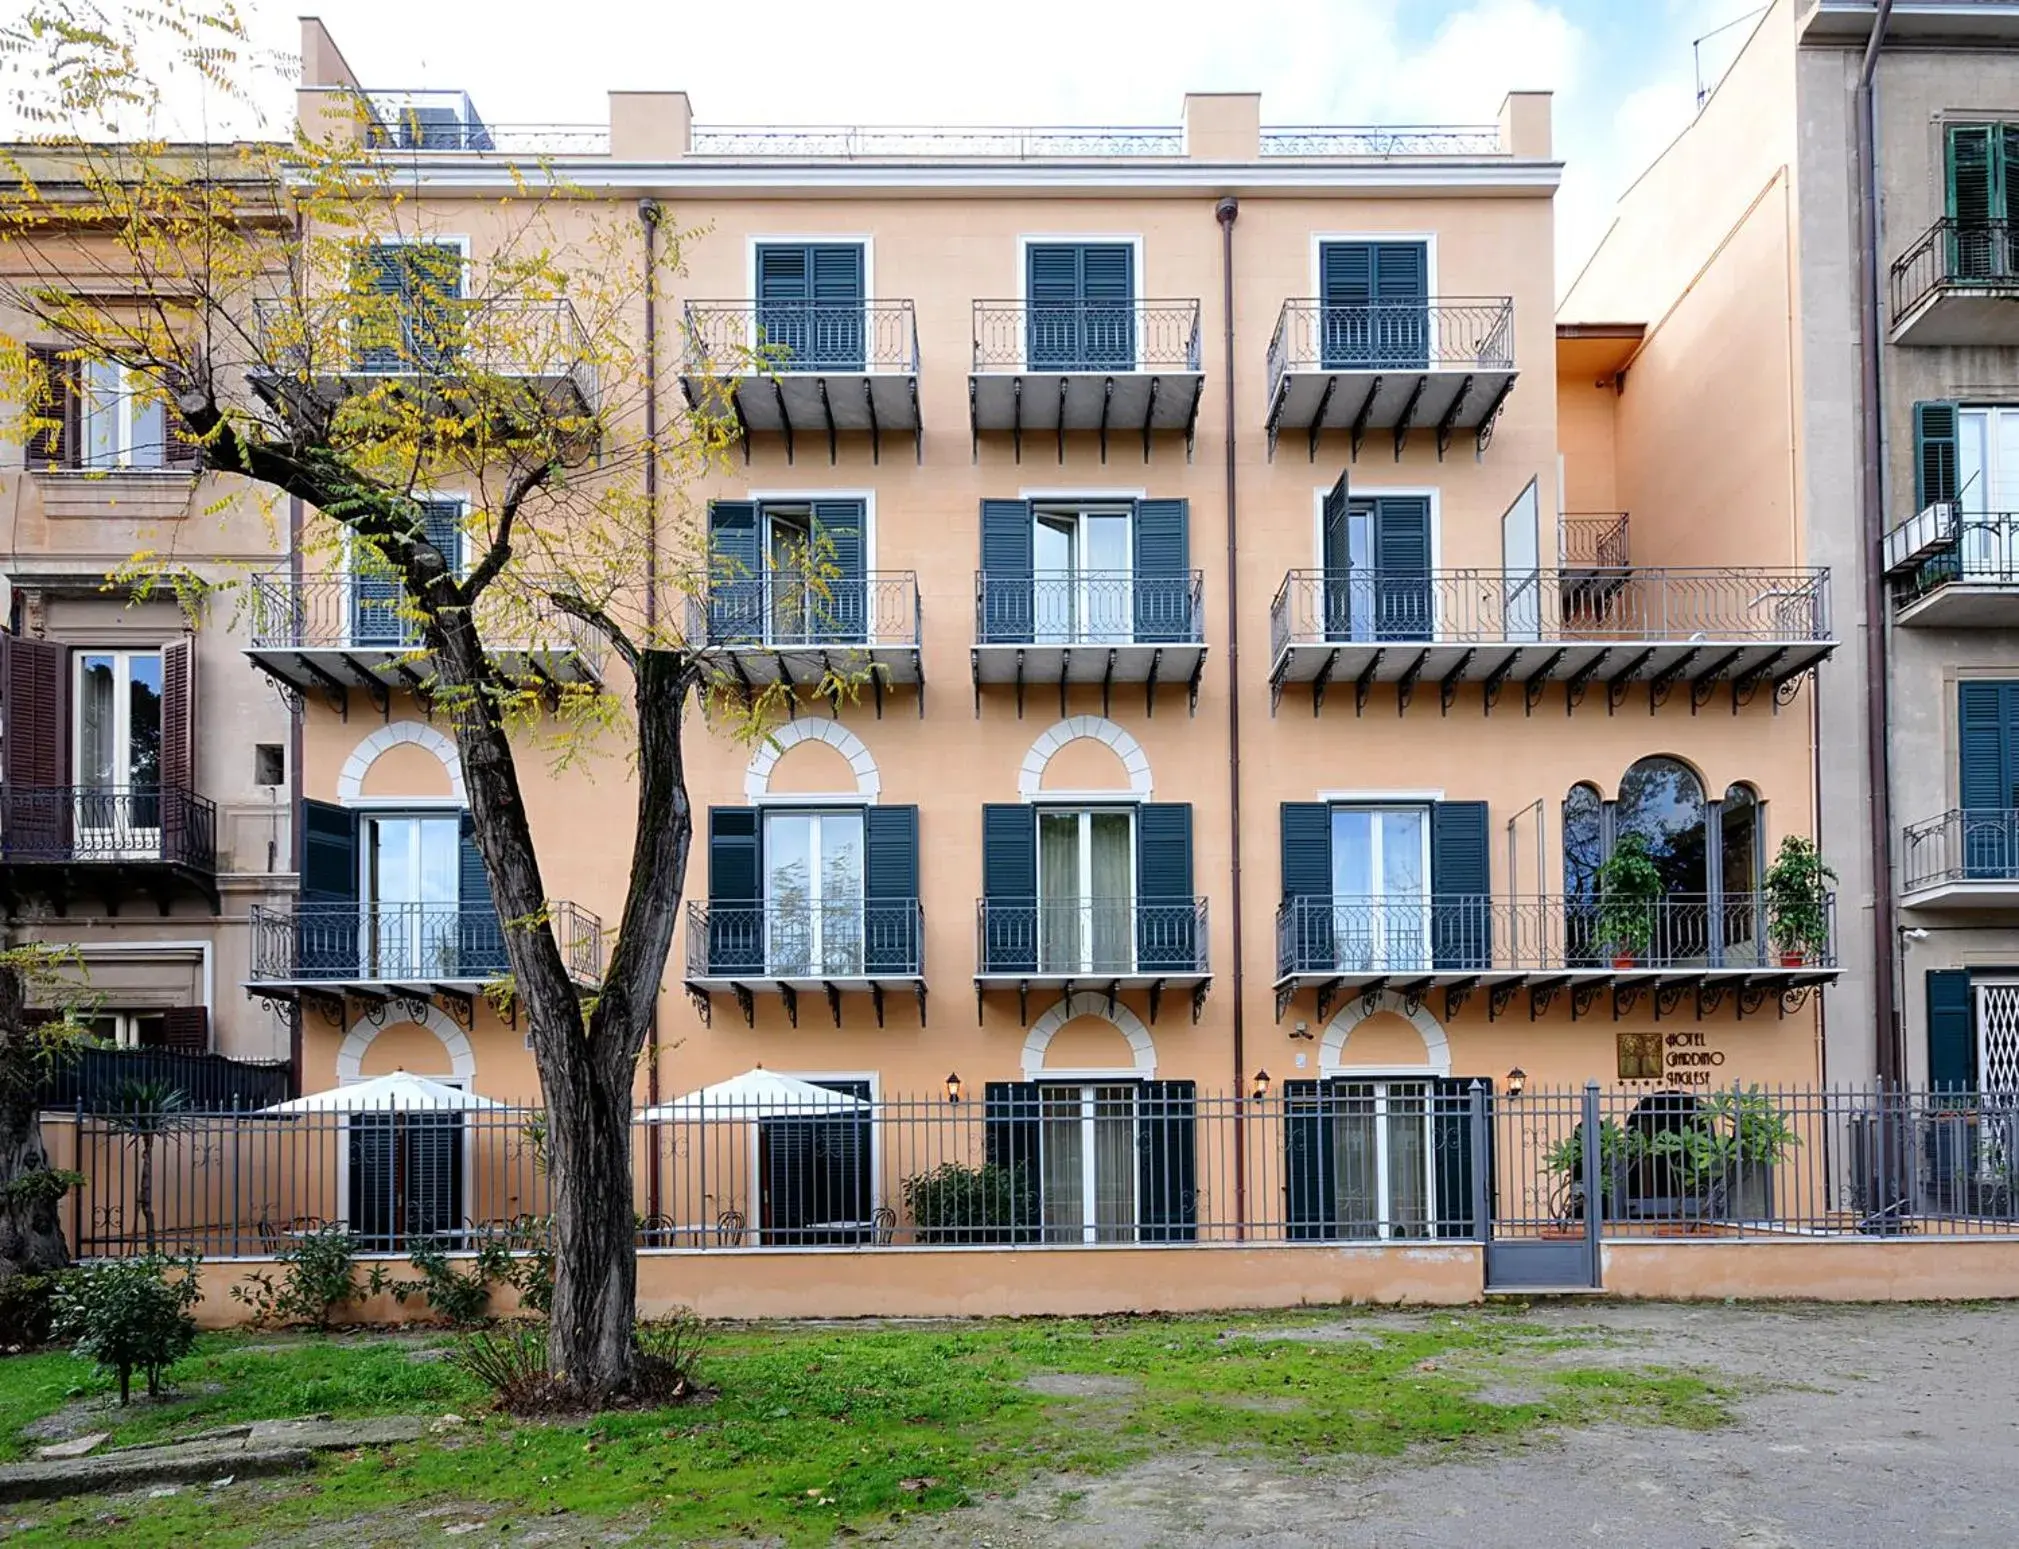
<point x="1349" y="569"/>
<point x="1086" y="892"/>
<point x="411" y="888"/>
<point x="1988" y="486"/>
<point x="1087" y="1163"/>
<point x="788" y="556"/>
<point x="1082" y="563"/>
<point x="1380" y="892"/>
<point x="118" y="753"/>
<point x="813" y="894"/>
<point x="1381" y="1158"/>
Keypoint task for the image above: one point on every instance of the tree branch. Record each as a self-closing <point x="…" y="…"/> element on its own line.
<point x="596" y="618"/>
<point x="500" y="550"/>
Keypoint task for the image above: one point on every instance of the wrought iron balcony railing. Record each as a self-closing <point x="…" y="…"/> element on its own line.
<point x="1478" y="932"/>
<point x="398" y="943"/>
<point x="820" y="336"/>
<point x="1955" y="253"/>
<point x="791" y="610"/>
<point x="1964" y="844"/>
<point x="106" y="825"/>
<point x="1095" y="938"/>
<point x="1089" y="607"/>
<point x="1592" y="540"/>
<point x="1315" y="607"/>
<point x="447" y="339"/>
<point x="1474" y="333"/>
<point x="1944" y="546"/>
<point x="372" y="612"/>
<point x="846" y="939"/>
<point x="1086" y="336"/>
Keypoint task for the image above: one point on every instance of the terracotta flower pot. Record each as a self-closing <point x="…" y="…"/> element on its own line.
<point x="1622" y="960"/>
<point x="1793" y="959"/>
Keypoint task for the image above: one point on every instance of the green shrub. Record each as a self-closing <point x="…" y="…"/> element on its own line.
<point x="131" y="1315"/>
<point x="28" y="1309"/>
<point x="954" y="1203"/>
<point x="460" y="1298"/>
<point x="318" y="1274"/>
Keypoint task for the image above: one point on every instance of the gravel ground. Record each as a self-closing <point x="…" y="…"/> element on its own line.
<point x="1857" y="1426"/>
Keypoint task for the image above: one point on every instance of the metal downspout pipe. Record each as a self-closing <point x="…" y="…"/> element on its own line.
<point x="1226" y="212"/>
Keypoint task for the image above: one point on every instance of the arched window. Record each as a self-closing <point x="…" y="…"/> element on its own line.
<point x="1583" y="840"/>
<point x="1739" y="845"/>
<point x="1662" y="800"/>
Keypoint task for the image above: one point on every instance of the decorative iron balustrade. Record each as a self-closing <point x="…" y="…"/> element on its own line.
<point x="1319" y="607"/>
<point x="1089" y="607"/>
<point x="1592" y="540"/>
<point x="851" y="938"/>
<point x="1955" y="253"/>
<point x="107" y="825"/>
<point x="791" y="610"/>
<point x="1453" y="334"/>
<point x="793" y="336"/>
<point x="1375" y="140"/>
<point x="1964" y="844"/>
<point x="1091" y="937"/>
<point x="1432" y="933"/>
<point x="1086" y="336"/>
<point x="403" y="943"/>
<point x="369" y="610"/>
<point x="446" y="338"/>
<point x="1955" y="547"/>
<point x="931" y="142"/>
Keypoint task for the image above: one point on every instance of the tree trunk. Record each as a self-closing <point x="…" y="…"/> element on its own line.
<point x="31" y="1225"/>
<point x="589" y="1340"/>
<point x="143" y="1193"/>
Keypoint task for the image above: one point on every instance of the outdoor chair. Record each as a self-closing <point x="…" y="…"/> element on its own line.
<point x="729" y="1229"/>
<point x="883" y="1225"/>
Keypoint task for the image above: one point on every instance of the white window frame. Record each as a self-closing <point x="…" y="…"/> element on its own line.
<point x="1020" y="285"/>
<point x="1078" y="509"/>
<point x="1995" y="549"/>
<point x="368" y="903"/>
<point x="1089" y="1195"/>
<point x="806" y="497"/>
<point x="1379" y="944"/>
<point x="817" y="964"/>
<point x="753" y="1224"/>
<point x="1085" y="812"/>
<point x="143" y="841"/>
<point x="132" y="389"/>
<point x="1383" y="1084"/>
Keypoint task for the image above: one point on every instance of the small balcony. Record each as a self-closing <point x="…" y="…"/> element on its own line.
<point x="1522" y="630"/>
<point x="1344" y="946"/>
<point x="1396" y="366"/>
<point x="378" y="950"/>
<point x="1968" y="858"/>
<point x="805" y="368"/>
<point x="332" y="634"/>
<point x="1959" y="284"/>
<point x="107" y="843"/>
<point x="1089" y="627"/>
<point x="784" y="626"/>
<point x="788" y="949"/>
<point x="1592" y="557"/>
<point x="1955" y="569"/>
<point x="1097" y="944"/>
<point x="1111" y="367"/>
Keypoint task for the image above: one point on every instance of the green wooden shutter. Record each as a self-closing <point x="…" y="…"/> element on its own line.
<point x="735" y="573"/>
<point x="1952" y="1031"/>
<point x="835" y="280"/>
<point x="1402" y="315"/>
<point x="1402" y="609"/>
<point x="329" y="858"/>
<point x="783" y="294"/>
<point x="1166" y="927"/>
<point x="1935" y="454"/>
<point x="842" y="615"/>
<point x="1010" y="1138"/>
<point x="442" y="524"/>
<point x="1163" y="575"/>
<point x="1167" y="1161"/>
<point x="1009" y="885"/>
<point x="1108" y="312"/>
<point x="371" y="1210"/>
<point x="1976" y="190"/>
<point x="1311" y="1197"/>
<point x="890" y="889"/>
<point x="735" y="890"/>
<point x="1305" y="942"/>
<point x="1451" y="1143"/>
<point x="431" y="1193"/>
<point x="1006" y="572"/>
<point x="1335" y="555"/>
<point x="1984" y="718"/>
<point x="1461" y="920"/>
<point x="480" y="939"/>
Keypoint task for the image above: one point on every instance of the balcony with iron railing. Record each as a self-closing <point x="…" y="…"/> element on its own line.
<point x="786" y="625"/>
<point x="1968" y="858"/>
<point x="804" y="368"/>
<point x="374" y="947"/>
<point x="1958" y="284"/>
<point x="1093" y="944"/>
<point x="335" y="633"/>
<point x="1109" y="367"/>
<point x="1657" y="626"/>
<point x="1445" y="365"/>
<point x="102" y="841"/>
<point x="786" y="948"/>
<point x="1951" y="568"/>
<point x="1090" y="627"/>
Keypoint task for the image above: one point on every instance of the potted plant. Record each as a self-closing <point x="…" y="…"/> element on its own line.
<point x="1629" y="884"/>
<point x="1721" y="1158"/>
<point x="1797" y="887"/>
<point x="1618" y="1147"/>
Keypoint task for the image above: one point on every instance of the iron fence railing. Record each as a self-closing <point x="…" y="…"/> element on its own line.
<point x="1365" y="1159"/>
<point x="1378" y="140"/>
<point x="406" y="943"/>
<point x="791" y="609"/>
<point x="934" y="141"/>
<point x="446" y="339"/>
<point x="1474" y="333"/>
<point x="854" y="938"/>
<point x="1095" y="937"/>
<point x="1955" y="253"/>
<point x="370" y="610"/>
<point x="1089" y="336"/>
<point x="1964" y="844"/>
<point x="1961" y="547"/>
<point x="1592" y="540"/>
<point x="1089" y="607"/>
<point x="1434" y="932"/>
<point x="1319" y="607"/>
<point x="108" y="824"/>
<point x="792" y="336"/>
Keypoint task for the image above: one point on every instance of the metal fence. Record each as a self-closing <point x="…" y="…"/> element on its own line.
<point x="1587" y="540"/>
<point x="1466" y="333"/>
<point x="1097" y="937"/>
<point x="1089" y="607"/>
<point x="932" y="141"/>
<point x="850" y="939"/>
<point x="833" y="336"/>
<point x="406" y="943"/>
<point x="1964" y="844"/>
<point x="792" y="609"/>
<point x="1980" y="547"/>
<point x="1091" y="336"/>
<point x="1080" y="1163"/>
<point x="89" y="824"/>
<point x="1955" y="253"/>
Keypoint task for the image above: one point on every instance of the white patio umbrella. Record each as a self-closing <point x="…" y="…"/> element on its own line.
<point x="402" y="1092"/>
<point x="756" y="1094"/>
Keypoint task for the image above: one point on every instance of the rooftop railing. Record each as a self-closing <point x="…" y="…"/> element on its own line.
<point x="1374" y="140"/>
<point x="831" y="336"/>
<point x="1955" y="253"/>
<point x="909" y="142"/>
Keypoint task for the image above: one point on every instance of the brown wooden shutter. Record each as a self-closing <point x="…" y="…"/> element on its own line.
<point x="183" y="449"/>
<point x="60" y="404"/>
<point x="33" y="701"/>
<point x="186" y="1029"/>
<point x="178" y="720"/>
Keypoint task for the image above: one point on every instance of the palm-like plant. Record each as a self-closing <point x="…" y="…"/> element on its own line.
<point x="144" y="1110"/>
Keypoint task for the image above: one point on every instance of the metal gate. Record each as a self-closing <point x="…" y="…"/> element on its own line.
<point x="1544" y="1161"/>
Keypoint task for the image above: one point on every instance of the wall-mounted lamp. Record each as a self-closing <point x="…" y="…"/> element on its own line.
<point x="1261" y="1086"/>
<point x="1301" y="1030"/>
<point x="1517" y="1079"/>
<point x="953" y="1087"/>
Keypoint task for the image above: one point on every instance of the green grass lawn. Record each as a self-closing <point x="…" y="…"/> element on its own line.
<point x="819" y="1430"/>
